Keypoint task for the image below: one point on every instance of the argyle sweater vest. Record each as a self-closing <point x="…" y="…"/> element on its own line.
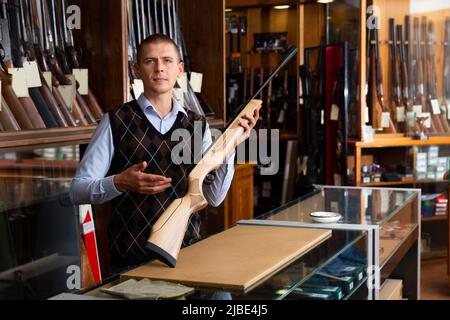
<point x="136" y="140"/>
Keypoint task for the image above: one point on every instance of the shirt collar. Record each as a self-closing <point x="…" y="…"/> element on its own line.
<point x="144" y="104"/>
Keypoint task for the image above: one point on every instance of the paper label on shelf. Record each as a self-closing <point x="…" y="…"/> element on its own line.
<point x="48" y="78"/>
<point x="427" y="122"/>
<point x="196" y="81"/>
<point x="19" y="82"/>
<point x="334" y="112"/>
<point x="32" y="74"/>
<point x="337" y="179"/>
<point x="82" y="77"/>
<point x="384" y="201"/>
<point x="138" y="88"/>
<point x="401" y="114"/>
<point x="179" y="95"/>
<point x="366" y="114"/>
<point x="435" y="106"/>
<point x="417" y="109"/>
<point x="281" y="116"/>
<point x="385" y="119"/>
<point x="183" y="82"/>
<point x="411" y="118"/>
<point x="68" y="93"/>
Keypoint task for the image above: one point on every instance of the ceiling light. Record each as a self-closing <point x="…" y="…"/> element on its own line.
<point x="286" y="6"/>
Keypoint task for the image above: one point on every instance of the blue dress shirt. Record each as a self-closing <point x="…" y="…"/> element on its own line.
<point x="91" y="185"/>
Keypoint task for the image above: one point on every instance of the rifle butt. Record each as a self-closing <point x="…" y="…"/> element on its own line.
<point x="53" y="106"/>
<point x="16" y="107"/>
<point x="42" y="108"/>
<point x="7" y="119"/>
<point x="63" y="108"/>
<point x="93" y="105"/>
<point x="85" y="109"/>
<point x="33" y="113"/>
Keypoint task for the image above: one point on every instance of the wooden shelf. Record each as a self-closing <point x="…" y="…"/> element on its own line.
<point x="397" y="183"/>
<point x="434" y="254"/>
<point x="390" y="141"/>
<point x="46" y="137"/>
<point x="434" y="218"/>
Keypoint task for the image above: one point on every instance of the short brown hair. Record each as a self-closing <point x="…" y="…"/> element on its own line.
<point x="156" y="38"/>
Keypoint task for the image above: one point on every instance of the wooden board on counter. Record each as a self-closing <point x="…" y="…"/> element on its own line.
<point x="237" y="259"/>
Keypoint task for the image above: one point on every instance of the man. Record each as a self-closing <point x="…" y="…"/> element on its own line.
<point x="128" y="161"/>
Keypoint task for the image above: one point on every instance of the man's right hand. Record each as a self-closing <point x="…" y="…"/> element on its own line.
<point x="135" y="180"/>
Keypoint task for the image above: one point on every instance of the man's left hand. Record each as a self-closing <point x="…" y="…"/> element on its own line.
<point x="248" y="123"/>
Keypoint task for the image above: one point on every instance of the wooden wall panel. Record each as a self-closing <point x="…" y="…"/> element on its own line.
<point x="103" y="38"/>
<point x="203" y="24"/>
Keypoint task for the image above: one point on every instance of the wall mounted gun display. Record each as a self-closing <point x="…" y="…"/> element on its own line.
<point x="35" y="36"/>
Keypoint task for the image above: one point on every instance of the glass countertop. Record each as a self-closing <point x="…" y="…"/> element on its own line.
<point x="362" y="206"/>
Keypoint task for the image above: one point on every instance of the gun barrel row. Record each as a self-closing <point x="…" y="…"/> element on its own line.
<point x="37" y="44"/>
<point x="418" y="98"/>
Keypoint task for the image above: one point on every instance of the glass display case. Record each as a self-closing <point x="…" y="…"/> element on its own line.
<point x="40" y="250"/>
<point x="378" y="228"/>
<point x="389" y="217"/>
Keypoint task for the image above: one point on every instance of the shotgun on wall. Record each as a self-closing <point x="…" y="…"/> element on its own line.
<point x="168" y="231"/>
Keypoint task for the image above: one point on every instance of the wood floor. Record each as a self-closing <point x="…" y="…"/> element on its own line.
<point x="435" y="281"/>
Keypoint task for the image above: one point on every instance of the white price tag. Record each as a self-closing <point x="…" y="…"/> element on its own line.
<point x="82" y="77"/>
<point x="435" y="106"/>
<point x="179" y="95"/>
<point x="68" y="93"/>
<point x="196" y="81"/>
<point x="281" y="116"/>
<point x="183" y="82"/>
<point x="138" y="88"/>
<point x="417" y="109"/>
<point x="19" y="82"/>
<point x="401" y="114"/>
<point x="32" y="74"/>
<point x="334" y="116"/>
<point x="427" y="123"/>
<point x="385" y="119"/>
<point x="48" y="78"/>
<point x="337" y="179"/>
<point x="411" y="118"/>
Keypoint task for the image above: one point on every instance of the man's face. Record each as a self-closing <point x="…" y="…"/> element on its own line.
<point x="159" y="67"/>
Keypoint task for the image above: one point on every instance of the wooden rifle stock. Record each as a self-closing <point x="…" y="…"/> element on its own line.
<point x="78" y="113"/>
<point x="168" y="231"/>
<point x="7" y="119"/>
<point x="85" y="109"/>
<point x="71" y="119"/>
<point x="14" y="103"/>
<point x="53" y="106"/>
<point x="381" y="106"/>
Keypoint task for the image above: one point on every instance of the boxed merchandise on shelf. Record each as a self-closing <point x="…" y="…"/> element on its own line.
<point x="434" y="204"/>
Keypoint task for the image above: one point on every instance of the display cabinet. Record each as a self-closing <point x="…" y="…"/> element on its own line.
<point x="376" y="239"/>
<point x="40" y="240"/>
<point x="389" y="217"/>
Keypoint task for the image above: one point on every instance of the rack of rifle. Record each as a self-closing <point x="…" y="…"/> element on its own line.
<point x="413" y="81"/>
<point x="35" y="32"/>
<point x="148" y="17"/>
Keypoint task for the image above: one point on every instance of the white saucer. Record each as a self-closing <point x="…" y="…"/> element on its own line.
<point x="325" y="217"/>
